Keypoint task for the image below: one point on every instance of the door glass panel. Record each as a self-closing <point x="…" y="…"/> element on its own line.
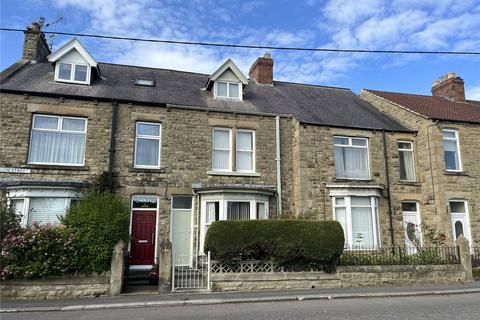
<point x="457" y="207"/>
<point x="181" y="235"/>
<point x="458" y="229"/>
<point x="140" y="202"/>
<point x="182" y="202"/>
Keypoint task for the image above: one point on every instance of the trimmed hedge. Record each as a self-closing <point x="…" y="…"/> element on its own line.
<point x="98" y="221"/>
<point x="297" y="244"/>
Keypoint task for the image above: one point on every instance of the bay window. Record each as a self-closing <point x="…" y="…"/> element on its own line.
<point x="41" y="205"/>
<point x="57" y="140"/>
<point x="407" y="163"/>
<point x="351" y="158"/>
<point x="226" y="206"/>
<point x="147" y="145"/>
<point x="451" y="147"/>
<point x="358" y="216"/>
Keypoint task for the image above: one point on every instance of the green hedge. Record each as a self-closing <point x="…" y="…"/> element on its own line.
<point x="98" y="221"/>
<point x="298" y="244"/>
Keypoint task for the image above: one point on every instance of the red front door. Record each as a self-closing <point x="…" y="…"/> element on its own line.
<point x="142" y="249"/>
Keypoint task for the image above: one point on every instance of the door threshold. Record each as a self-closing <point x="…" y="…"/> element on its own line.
<point x="140" y="267"/>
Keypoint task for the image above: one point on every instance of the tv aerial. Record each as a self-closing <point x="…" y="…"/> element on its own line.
<point x="51" y="37"/>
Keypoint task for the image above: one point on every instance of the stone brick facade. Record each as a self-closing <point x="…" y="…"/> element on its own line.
<point x="308" y="166"/>
<point x="307" y="157"/>
<point x="438" y="186"/>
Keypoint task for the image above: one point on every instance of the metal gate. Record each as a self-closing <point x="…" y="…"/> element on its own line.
<point x="191" y="272"/>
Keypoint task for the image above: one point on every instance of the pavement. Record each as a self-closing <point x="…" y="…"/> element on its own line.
<point x="129" y="301"/>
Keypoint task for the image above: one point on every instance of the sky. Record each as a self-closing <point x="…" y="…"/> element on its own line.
<point x="444" y="25"/>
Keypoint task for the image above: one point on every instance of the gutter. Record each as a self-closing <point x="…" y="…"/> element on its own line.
<point x="389" y="196"/>
<point x="279" y="173"/>
<point x="111" y="150"/>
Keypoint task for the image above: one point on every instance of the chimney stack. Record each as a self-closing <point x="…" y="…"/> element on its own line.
<point x="449" y="87"/>
<point x="262" y="70"/>
<point x="35" y="47"/>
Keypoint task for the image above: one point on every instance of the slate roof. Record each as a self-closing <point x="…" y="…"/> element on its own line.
<point x="308" y="103"/>
<point x="436" y="108"/>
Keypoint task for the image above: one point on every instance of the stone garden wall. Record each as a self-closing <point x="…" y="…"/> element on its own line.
<point x="351" y="276"/>
<point x="56" y="287"/>
<point x="69" y="286"/>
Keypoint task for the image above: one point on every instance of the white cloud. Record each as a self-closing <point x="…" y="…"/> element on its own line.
<point x="473" y="93"/>
<point x="349" y="12"/>
<point x="441" y="33"/>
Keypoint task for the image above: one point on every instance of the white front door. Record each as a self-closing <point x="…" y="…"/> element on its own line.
<point x="181" y="230"/>
<point x="411" y="226"/>
<point x="460" y="221"/>
<point x="460" y="226"/>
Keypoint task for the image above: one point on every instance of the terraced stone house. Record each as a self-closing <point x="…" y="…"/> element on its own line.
<point x="447" y="161"/>
<point x="187" y="149"/>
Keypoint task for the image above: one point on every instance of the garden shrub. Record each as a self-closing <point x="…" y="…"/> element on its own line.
<point x="98" y="221"/>
<point x="297" y="244"/>
<point x="8" y="218"/>
<point x="38" y="251"/>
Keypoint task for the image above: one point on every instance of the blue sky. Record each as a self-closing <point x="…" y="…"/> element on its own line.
<point x="366" y="24"/>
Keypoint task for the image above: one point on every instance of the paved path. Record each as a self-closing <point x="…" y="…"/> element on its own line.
<point x="461" y="306"/>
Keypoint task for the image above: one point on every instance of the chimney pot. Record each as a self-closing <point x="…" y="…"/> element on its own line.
<point x="450" y="87"/>
<point x="262" y="70"/>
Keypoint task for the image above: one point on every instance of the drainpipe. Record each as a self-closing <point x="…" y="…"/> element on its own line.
<point x="111" y="151"/>
<point x="279" y="173"/>
<point x="387" y="175"/>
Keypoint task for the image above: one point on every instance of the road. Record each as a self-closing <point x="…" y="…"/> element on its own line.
<point x="461" y="307"/>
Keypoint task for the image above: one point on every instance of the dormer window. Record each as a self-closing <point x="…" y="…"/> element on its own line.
<point x="228" y="90"/>
<point x="71" y="72"/>
<point x="73" y="64"/>
<point x="227" y="82"/>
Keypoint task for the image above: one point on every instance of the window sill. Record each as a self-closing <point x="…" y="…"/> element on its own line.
<point x="410" y="183"/>
<point x="456" y="173"/>
<point x="56" y="167"/>
<point x="152" y="170"/>
<point x="351" y="180"/>
<point x="235" y="174"/>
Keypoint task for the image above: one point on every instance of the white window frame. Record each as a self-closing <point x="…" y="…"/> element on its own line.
<point x="465" y="215"/>
<point x="413" y="158"/>
<point x="72" y="72"/>
<point x="348" y="220"/>
<point x="457" y="140"/>
<point x="148" y="137"/>
<point x="415" y="213"/>
<point x="230" y="149"/>
<point x="350" y="145"/>
<point x="240" y="94"/>
<point x="252" y="151"/>
<point x="59" y="129"/>
<point x="223" y="200"/>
